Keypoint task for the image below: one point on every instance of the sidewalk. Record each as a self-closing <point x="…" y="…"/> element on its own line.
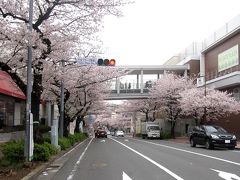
<point x="185" y="140"/>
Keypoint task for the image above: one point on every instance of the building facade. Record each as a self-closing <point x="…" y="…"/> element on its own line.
<point x="219" y="65"/>
<point x="12" y="102"/>
<point x="215" y="63"/>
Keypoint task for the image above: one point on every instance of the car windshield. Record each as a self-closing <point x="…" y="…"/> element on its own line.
<point x="153" y="128"/>
<point x="214" y="129"/>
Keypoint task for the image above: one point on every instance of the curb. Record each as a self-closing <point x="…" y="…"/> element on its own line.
<point x="35" y="172"/>
<point x="39" y="169"/>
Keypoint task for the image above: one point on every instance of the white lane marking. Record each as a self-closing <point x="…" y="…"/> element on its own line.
<point x="126" y="140"/>
<point x="73" y="148"/>
<point x="237" y="151"/>
<point x="226" y="175"/>
<point x="152" y="161"/>
<point x="45" y="173"/>
<point x="78" y="162"/>
<point x="190" y="152"/>
<point x="102" y="141"/>
<point x="125" y="176"/>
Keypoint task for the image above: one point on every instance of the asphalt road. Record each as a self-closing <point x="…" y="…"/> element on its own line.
<point x="136" y="159"/>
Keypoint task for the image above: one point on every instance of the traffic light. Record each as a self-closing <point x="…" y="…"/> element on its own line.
<point x="106" y="62"/>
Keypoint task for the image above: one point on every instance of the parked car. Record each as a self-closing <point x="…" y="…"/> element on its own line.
<point x="119" y="133"/>
<point x="112" y="133"/>
<point x="212" y="136"/>
<point x="100" y="133"/>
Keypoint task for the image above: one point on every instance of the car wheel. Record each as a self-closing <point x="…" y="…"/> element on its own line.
<point x="208" y="144"/>
<point x="192" y="142"/>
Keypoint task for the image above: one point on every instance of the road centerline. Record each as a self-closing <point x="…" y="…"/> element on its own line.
<point x="190" y="152"/>
<point x="150" y="160"/>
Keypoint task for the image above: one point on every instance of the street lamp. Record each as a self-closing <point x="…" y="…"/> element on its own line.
<point x="61" y="129"/>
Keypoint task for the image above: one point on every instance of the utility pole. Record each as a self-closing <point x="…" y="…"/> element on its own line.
<point x="61" y="106"/>
<point x="28" y="146"/>
<point x="205" y="94"/>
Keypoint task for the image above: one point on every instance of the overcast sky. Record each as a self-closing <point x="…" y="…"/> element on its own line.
<point x="152" y="31"/>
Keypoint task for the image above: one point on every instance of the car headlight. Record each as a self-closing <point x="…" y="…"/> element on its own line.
<point x="214" y="136"/>
<point x="234" y="137"/>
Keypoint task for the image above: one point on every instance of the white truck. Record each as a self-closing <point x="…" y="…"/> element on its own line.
<point x="150" y="130"/>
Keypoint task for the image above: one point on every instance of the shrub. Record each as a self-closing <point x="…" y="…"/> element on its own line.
<point x="138" y="135"/>
<point x="41" y="152"/>
<point x="47" y="138"/>
<point x="72" y="139"/>
<point x="5" y="162"/>
<point x="13" y="151"/>
<point x="165" y="135"/>
<point x="52" y="149"/>
<point x="79" y="136"/>
<point x="64" y="143"/>
<point x="85" y="135"/>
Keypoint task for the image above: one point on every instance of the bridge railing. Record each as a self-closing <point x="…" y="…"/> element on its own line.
<point x="129" y="91"/>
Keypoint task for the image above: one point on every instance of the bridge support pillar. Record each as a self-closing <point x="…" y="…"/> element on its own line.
<point x="142" y="85"/>
<point x="118" y="85"/>
<point x="185" y="73"/>
<point x="202" y="65"/>
<point x="137" y="87"/>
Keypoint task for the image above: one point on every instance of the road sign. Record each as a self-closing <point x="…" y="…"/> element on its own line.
<point x="87" y="61"/>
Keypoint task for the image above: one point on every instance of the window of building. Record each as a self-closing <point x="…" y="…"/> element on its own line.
<point x="6" y="112"/>
<point x="236" y="93"/>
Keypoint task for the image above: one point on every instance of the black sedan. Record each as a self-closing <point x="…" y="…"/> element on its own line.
<point x="101" y="133"/>
<point x="212" y="136"/>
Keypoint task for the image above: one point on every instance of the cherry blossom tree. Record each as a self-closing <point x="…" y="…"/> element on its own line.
<point x="166" y="93"/>
<point x="61" y="29"/>
<point x="212" y="106"/>
<point x="146" y="106"/>
<point x="85" y="88"/>
<point x="114" y="121"/>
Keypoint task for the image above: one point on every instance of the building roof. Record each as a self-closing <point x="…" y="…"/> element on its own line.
<point x="9" y="87"/>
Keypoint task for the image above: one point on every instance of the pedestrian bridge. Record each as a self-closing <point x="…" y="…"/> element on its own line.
<point x="140" y="78"/>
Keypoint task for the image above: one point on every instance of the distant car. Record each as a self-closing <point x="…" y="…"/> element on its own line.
<point x="212" y="136"/>
<point x="100" y="133"/>
<point x="119" y="133"/>
<point x="108" y="132"/>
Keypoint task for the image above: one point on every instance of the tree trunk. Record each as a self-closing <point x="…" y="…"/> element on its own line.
<point x="36" y="93"/>
<point x="66" y="122"/>
<point x="78" y="120"/>
<point x="146" y="113"/>
<point x="154" y="116"/>
<point x="173" y="129"/>
<point x="35" y="106"/>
